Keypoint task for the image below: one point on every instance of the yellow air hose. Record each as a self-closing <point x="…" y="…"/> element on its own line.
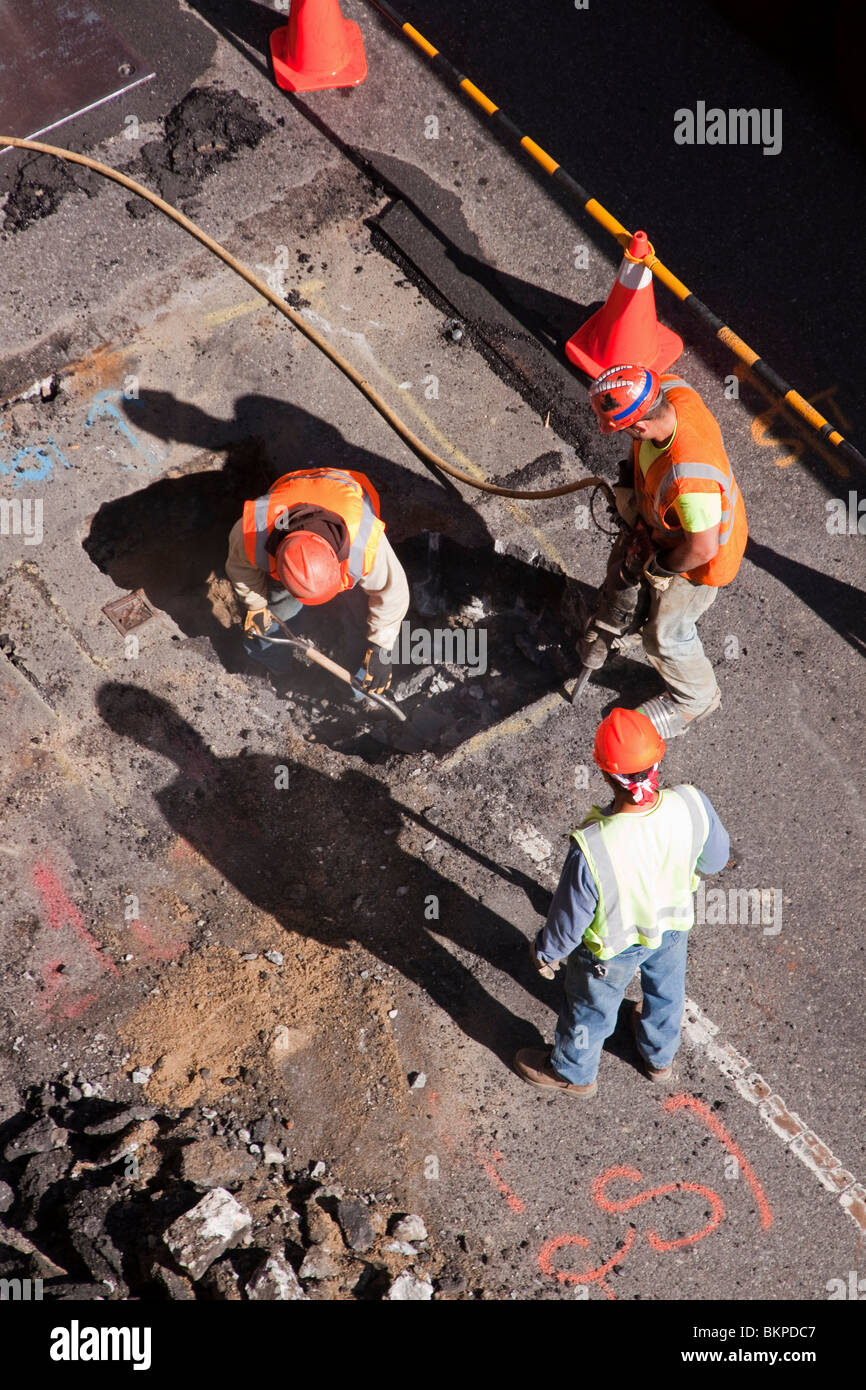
<point x="414" y="443"/>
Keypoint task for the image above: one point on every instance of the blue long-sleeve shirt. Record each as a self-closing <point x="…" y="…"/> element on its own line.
<point x="576" y="897"/>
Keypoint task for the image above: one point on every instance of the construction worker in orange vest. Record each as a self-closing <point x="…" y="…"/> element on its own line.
<point x="625" y="902"/>
<point x="314" y="534"/>
<point x="686" y="538"/>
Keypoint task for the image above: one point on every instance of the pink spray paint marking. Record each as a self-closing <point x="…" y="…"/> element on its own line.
<point x="61" y="911"/>
<point x="152" y="949"/>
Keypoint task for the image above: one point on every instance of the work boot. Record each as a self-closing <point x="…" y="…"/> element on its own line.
<point x="667" y="718"/>
<point x="654" y="1073"/>
<point x="533" y="1065"/>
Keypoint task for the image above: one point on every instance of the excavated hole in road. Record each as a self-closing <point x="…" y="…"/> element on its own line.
<point x="487" y="632"/>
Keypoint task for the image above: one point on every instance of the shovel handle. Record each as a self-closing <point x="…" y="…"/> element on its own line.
<point x="339" y="671"/>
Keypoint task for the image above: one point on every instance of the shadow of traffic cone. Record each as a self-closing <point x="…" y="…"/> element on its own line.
<point x="317" y="49"/>
<point x="626" y="329"/>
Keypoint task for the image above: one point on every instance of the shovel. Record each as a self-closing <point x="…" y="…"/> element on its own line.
<point x="410" y="738"/>
<point x="313" y="654"/>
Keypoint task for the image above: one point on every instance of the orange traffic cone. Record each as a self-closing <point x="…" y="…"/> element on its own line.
<point x="626" y="329"/>
<point x="317" y="49"/>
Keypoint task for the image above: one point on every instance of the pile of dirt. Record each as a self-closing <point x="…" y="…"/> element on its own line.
<point x="109" y="1201"/>
<point x="223" y="1014"/>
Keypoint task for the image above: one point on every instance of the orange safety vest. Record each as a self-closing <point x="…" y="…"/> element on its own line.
<point x="351" y="495"/>
<point x="695" y="462"/>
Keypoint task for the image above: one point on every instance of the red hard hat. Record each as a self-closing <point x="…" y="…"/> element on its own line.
<point x="622" y="395"/>
<point x="308" y="567"/>
<point x="627" y="741"/>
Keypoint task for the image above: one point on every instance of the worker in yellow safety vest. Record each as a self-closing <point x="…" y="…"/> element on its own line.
<point x="624" y="902"/>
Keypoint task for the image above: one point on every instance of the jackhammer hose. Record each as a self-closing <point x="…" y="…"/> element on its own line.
<point x="390" y="417"/>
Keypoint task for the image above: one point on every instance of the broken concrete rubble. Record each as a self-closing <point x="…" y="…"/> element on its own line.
<point x="38" y="1138"/>
<point x="409" y="1289"/>
<point x="275" y="1280"/>
<point x="207" y="1163"/>
<point x="118" y="1212"/>
<point x="321" y="1228"/>
<point x="319" y="1264"/>
<point x="356" y="1225"/>
<point x="205" y="1232"/>
<point x="409" y="1228"/>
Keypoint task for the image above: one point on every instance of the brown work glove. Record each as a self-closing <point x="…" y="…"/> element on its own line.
<point x="376" y="672"/>
<point x="638" y="549"/>
<point x="257" y="621"/>
<point x="657" y="576"/>
<point x="547" y="971"/>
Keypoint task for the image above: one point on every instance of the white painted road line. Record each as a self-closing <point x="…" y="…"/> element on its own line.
<point x="703" y="1035"/>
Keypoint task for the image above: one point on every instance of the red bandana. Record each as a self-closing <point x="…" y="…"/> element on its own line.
<point x="642" y="787"/>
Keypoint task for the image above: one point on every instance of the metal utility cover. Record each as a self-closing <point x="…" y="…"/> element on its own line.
<point x="133" y="610"/>
<point x="59" y="58"/>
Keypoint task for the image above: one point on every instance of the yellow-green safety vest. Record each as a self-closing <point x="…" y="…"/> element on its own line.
<point x="644" y="869"/>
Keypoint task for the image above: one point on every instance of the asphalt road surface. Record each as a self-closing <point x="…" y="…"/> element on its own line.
<point x="182" y="394"/>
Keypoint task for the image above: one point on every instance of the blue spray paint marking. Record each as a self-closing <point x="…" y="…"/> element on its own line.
<point x="47" y="454"/>
<point x="102" y="407"/>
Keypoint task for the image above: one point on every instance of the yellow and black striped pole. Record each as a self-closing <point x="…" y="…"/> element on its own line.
<point x="774" y="384"/>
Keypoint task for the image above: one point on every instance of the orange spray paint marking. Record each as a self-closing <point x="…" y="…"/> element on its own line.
<point x="61" y="911"/>
<point x="762" y="426"/>
<point x="633" y="1175"/>
<point x="589" y="1276"/>
<point x="450" y="1147"/>
<point x="499" y="1182"/>
<point x="830" y="395"/>
<point x="715" y="1126"/>
<point x="761" y="432"/>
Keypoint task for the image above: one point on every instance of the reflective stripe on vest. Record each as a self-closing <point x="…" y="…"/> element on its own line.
<point x="368" y="518"/>
<point x="672" y="475"/>
<point x="263" y="559"/>
<point x="698" y="817"/>
<point x="615" y="927"/>
<point x="727" y="482"/>
<point x="359" y="544"/>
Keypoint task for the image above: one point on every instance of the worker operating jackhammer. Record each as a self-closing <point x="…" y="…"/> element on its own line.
<point x="687" y="535"/>
<point x="313" y="535"/>
<point x="624" y="902"/>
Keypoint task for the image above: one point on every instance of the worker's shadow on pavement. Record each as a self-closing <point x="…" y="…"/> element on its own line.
<point x="246" y="26"/>
<point x="311" y="856"/>
<point x="171" y="538"/>
<point x="839" y="604"/>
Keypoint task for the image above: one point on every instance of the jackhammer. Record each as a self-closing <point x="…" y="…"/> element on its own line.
<point x="623" y="605"/>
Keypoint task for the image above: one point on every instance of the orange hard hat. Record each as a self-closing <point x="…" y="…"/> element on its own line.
<point x="308" y="567"/>
<point x="627" y="741"/>
<point x="623" y="395"/>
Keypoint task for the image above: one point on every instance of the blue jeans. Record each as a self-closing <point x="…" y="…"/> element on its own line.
<point x="589" y="1010"/>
